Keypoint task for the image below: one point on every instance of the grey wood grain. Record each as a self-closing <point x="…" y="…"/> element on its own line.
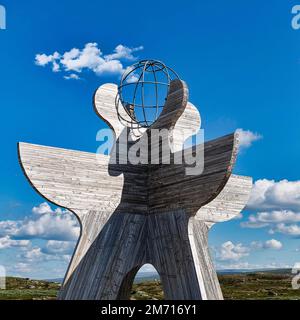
<point x="136" y="214"/>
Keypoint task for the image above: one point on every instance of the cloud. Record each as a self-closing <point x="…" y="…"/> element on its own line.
<point x="42" y="208"/>
<point x="6" y="243"/>
<point x="264" y="219"/>
<point x="53" y="234"/>
<point x="271" y="195"/>
<point x="133" y="78"/>
<point x="33" y="254"/>
<point x="59" y="247"/>
<point x="247" y="265"/>
<point x="273" y="244"/>
<point x="38" y="255"/>
<point x="287" y="229"/>
<point x="22" y="267"/>
<point x="89" y="58"/>
<point x="235" y="266"/>
<point x="277" y="221"/>
<point x="72" y="76"/>
<point x="7" y="227"/>
<point x="45" y="223"/>
<point x="279" y="205"/>
<point x="232" y="252"/>
<point x="122" y="52"/>
<point x="247" y="137"/>
<point x="229" y="251"/>
<point x="59" y="225"/>
<point x="43" y="59"/>
<point x="269" y="244"/>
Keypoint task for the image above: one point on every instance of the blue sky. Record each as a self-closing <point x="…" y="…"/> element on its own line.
<point x="241" y="62"/>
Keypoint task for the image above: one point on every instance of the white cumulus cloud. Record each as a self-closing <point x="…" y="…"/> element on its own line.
<point x="287" y="229"/>
<point x="273" y="244"/>
<point x="123" y="52"/>
<point x="6" y="242"/>
<point x="22" y="267"/>
<point x="59" y="247"/>
<point x="58" y="226"/>
<point x="247" y="137"/>
<point x="278" y="206"/>
<point x="232" y="252"/>
<point x="271" y="195"/>
<point x="38" y="255"/>
<point x="42" y="208"/>
<point x="32" y="254"/>
<point x="264" y="219"/>
<point x="72" y="76"/>
<point x="90" y="58"/>
<point x="268" y="244"/>
<point x="44" y="236"/>
<point x="45" y="223"/>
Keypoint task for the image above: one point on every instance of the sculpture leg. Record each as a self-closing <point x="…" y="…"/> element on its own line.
<point x="179" y="250"/>
<point x="117" y="249"/>
<point x="92" y="222"/>
<point x="198" y="235"/>
<point x="126" y="286"/>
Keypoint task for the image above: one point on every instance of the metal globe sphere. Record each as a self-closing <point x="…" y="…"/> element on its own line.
<point x="143" y="90"/>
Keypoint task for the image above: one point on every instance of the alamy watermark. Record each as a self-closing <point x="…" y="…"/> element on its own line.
<point x="155" y="146"/>
<point x="2" y="17"/>
<point x="296" y="18"/>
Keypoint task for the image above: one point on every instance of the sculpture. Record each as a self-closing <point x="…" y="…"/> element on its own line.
<point x="132" y="214"/>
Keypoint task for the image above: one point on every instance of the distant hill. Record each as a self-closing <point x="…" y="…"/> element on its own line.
<point x="55" y="280"/>
<point x="239" y="271"/>
<point x="263" y="284"/>
<point x="146" y="276"/>
<point x="150" y="276"/>
<point x="140" y="277"/>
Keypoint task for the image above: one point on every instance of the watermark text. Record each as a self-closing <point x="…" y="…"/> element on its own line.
<point x="296" y="18"/>
<point x="2" y="17"/>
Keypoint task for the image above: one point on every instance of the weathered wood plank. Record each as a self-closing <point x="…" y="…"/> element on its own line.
<point x="136" y="214"/>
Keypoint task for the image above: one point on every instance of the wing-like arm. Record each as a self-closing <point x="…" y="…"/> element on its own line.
<point x="170" y="186"/>
<point x="229" y="203"/>
<point x="75" y="180"/>
<point x="180" y="184"/>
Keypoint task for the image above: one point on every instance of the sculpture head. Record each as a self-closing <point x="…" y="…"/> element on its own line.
<point x="143" y="91"/>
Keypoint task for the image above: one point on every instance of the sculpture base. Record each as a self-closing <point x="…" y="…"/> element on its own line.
<point x="175" y="244"/>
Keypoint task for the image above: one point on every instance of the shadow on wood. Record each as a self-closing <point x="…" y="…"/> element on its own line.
<point x="136" y="214"/>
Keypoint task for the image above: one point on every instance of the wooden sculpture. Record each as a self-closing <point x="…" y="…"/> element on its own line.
<point x="131" y="215"/>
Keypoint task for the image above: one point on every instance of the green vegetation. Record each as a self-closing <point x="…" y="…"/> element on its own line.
<point x="266" y="285"/>
<point x="147" y="290"/>
<point x="26" y="289"/>
<point x="258" y="286"/>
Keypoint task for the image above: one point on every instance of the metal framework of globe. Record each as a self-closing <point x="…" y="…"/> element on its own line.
<point x="136" y="76"/>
